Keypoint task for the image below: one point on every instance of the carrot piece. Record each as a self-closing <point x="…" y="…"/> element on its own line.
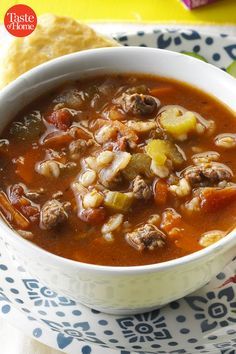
<point x="26" y="170"/>
<point x="161" y="91"/>
<point x="57" y="139"/>
<point x="11" y="214"/>
<point x="213" y="199"/>
<point x="160" y="192"/>
<point x="93" y="216"/>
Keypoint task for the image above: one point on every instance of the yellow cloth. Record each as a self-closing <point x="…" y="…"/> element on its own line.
<point x="221" y="12"/>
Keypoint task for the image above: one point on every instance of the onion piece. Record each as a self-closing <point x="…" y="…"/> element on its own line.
<point x="120" y="161"/>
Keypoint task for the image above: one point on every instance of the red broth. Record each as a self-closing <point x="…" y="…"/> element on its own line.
<point x="120" y="170"/>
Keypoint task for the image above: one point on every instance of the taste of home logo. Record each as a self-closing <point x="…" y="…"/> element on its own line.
<point x="20" y="20"/>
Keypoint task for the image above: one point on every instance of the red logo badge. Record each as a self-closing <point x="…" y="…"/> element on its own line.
<point x="20" y="20"/>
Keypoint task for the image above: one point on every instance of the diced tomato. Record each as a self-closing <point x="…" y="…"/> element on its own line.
<point x="170" y="219"/>
<point x="19" y="201"/>
<point x="115" y="114"/>
<point x="93" y="216"/>
<point x="16" y="196"/>
<point x="31" y="212"/>
<point x="61" y="118"/>
<point x="213" y="199"/>
<point x="160" y="191"/>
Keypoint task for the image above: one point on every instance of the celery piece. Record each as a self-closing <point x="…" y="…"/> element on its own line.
<point x="160" y="150"/>
<point x="176" y="124"/>
<point x="173" y="153"/>
<point x="118" y="201"/>
<point x="156" y="149"/>
<point x="139" y="164"/>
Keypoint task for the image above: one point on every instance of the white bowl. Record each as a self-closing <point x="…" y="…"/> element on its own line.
<point x="121" y="290"/>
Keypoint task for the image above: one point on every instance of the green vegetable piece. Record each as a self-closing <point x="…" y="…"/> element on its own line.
<point x="231" y="69"/>
<point x="173" y="153"/>
<point x="139" y="164"/>
<point x="156" y="149"/>
<point x="159" y="150"/>
<point x="195" y="55"/>
<point x="31" y="127"/>
<point x="118" y="201"/>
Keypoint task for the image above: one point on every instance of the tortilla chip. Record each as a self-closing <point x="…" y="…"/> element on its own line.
<point x="53" y="37"/>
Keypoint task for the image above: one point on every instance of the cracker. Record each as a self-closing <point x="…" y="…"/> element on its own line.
<point x="53" y="37"/>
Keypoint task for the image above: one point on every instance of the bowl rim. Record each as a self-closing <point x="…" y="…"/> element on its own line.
<point x="53" y="259"/>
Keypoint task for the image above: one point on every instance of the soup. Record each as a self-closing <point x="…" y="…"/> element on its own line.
<point x="120" y="170"/>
